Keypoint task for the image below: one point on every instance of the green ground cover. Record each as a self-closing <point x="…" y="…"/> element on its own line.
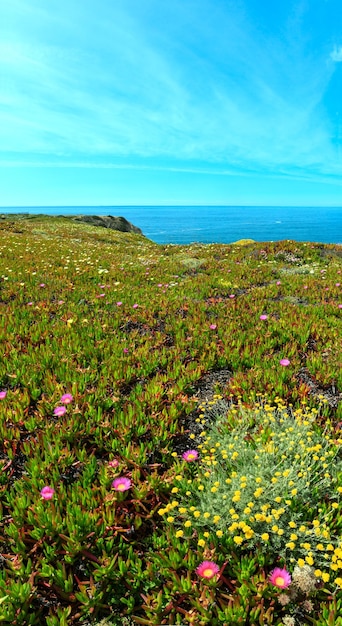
<point x="118" y="357"/>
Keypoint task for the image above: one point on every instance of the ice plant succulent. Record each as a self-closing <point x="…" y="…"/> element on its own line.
<point x="207" y="569"/>
<point x="284" y="362"/>
<point x="190" y="455"/>
<point x="47" y="493"/>
<point x="3" y="395"/>
<point x="59" y="411"/>
<point x="121" y="484"/>
<point x="67" y="398"/>
<point x="280" y="578"/>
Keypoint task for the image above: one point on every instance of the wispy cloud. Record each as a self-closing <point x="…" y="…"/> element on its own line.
<point x="336" y="54"/>
<point x="176" y="81"/>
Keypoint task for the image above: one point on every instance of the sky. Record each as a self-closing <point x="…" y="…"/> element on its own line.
<point x="150" y="102"/>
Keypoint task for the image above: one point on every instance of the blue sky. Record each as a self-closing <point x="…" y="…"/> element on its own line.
<point x="171" y="102"/>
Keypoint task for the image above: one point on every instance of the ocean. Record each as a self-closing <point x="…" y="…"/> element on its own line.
<point x="216" y="224"/>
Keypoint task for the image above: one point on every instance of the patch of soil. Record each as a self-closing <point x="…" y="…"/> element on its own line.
<point x="329" y="392"/>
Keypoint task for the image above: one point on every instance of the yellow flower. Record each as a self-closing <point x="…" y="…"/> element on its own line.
<point x="201" y="543"/>
<point x="174" y="490"/>
<point x="170" y="519"/>
<point x="309" y="560"/>
<point x="301" y="562"/>
<point x="187" y="524"/>
<point x="216" y="519"/>
<point x="338" y="581"/>
<point x="265" y="536"/>
<point x="325" y="577"/>
<point x="318" y="573"/>
<point x="197" y="514"/>
<point x="206" y="515"/>
<point x="182" y="509"/>
<point x="238" y="540"/>
<point x="291" y="545"/>
<point x="179" y="533"/>
<point x="219" y="533"/>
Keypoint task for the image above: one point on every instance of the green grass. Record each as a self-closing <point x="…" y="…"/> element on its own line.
<point x="163" y="350"/>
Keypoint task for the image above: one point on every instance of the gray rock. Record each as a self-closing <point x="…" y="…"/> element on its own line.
<point x="109" y="221"/>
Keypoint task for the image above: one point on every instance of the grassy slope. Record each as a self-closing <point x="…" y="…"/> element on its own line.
<point x="136" y="374"/>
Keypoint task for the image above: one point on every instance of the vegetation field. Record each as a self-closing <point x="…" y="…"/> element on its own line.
<point x="170" y="430"/>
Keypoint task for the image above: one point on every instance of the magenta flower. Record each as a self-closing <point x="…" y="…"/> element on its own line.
<point x="125" y="350"/>
<point x="42" y="285"/>
<point x="212" y="326"/>
<point x="67" y="398"/>
<point x="135" y="306"/>
<point x="190" y="455"/>
<point x="207" y="569"/>
<point x="278" y="282"/>
<point x="284" y="362"/>
<point x="118" y="303"/>
<point x="59" y="411"/>
<point x="29" y="303"/>
<point x="340" y="306"/>
<point x="47" y="493"/>
<point x="121" y="484"/>
<point x="337" y="284"/>
<point x="263" y="317"/>
<point x="232" y="295"/>
<point x="113" y="463"/>
<point x="3" y="395"/>
<point x="280" y="578"/>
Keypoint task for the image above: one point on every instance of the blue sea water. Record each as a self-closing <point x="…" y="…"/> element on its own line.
<point x="217" y="224"/>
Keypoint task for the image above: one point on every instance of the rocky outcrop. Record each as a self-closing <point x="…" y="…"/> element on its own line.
<point x="109" y="221"/>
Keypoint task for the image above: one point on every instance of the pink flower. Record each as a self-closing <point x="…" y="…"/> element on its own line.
<point x="42" y="285"/>
<point x="47" y="493"/>
<point x="263" y="317"/>
<point x="121" y="484"/>
<point x="3" y="395"/>
<point x="278" y="282"/>
<point x="232" y="295"/>
<point x="29" y="303"/>
<point x="284" y="362"/>
<point x="280" y="578"/>
<point x="60" y="302"/>
<point x="113" y="463"/>
<point x="125" y="350"/>
<point x="59" y="411"/>
<point x="207" y="569"/>
<point x="135" y="306"/>
<point x="67" y="398"/>
<point x="337" y="284"/>
<point x="213" y="327"/>
<point x="190" y="455"/>
<point x="118" y="303"/>
<point x="340" y="306"/>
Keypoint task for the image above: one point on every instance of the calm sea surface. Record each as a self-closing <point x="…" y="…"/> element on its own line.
<point x="216" y="224"/>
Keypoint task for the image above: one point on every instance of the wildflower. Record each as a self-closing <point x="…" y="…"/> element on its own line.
<point x="47" y="493"/>
<point x="305" y="578"/>
<point x="113" y="463"/>
<point x="280" y="578"/>
<point x="284" y="362"/>
<point x="263" y="317"/>
<point x="67" y="398"/>
<point x="190" y="455"/>
<point x="207" y="569"/>
<point x="213" y="327"/>
<point x="3" y="395"/>
<point x="135" y="306"/>
<point x="59" y="411"/>
<point x="121" y="484"/>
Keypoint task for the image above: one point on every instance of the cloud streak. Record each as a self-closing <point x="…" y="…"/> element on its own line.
<point x="162" y="82"/>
